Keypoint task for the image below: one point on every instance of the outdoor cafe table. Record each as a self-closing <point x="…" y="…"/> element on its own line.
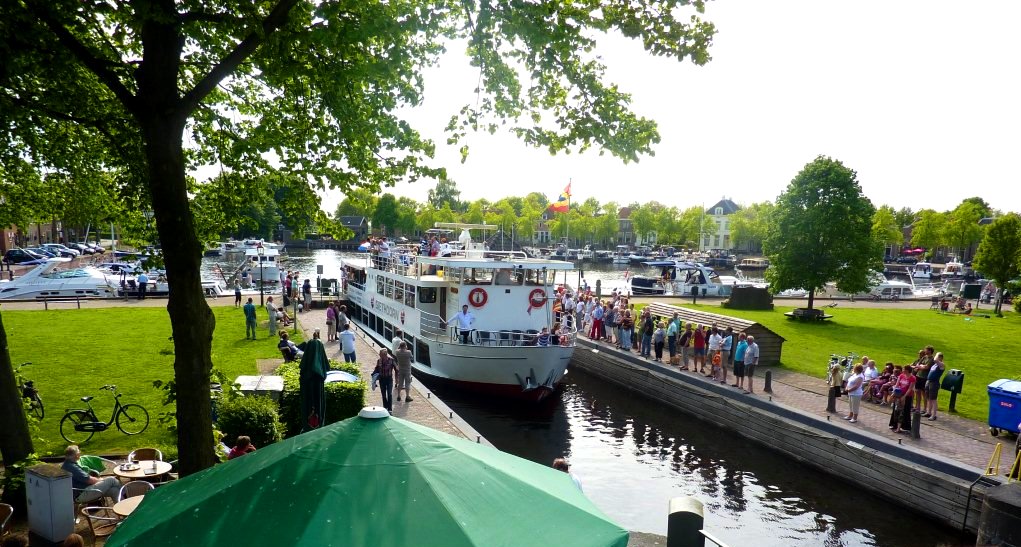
<point x="126" y="506"/>
<point x="162" y="468"/>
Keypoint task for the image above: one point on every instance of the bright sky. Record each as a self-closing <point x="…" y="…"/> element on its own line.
<point x="920" y="97"/>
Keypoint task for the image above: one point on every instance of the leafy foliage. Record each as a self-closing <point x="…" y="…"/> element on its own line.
<point x="929" y="230"/>
<point x="821" y="231"/>
<point x="343" y="400"/>
<point x="885" y="228"/>
<point x="748" y="226"/>
<point x="252" y="415"/>
<point x="445" y="194"/>
<point x="999" y="254"/>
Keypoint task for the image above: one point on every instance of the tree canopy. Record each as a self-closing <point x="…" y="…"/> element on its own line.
<point x="313" y="89"/>
<point x="999" y="253"/>
<point x="821" y="231"/>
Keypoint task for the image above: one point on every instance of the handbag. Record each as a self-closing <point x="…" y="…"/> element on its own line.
<point x="375" y="380"/>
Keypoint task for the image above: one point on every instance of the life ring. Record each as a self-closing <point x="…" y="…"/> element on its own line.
<point x="478" y="297"/>
<point x="536" y="298"/>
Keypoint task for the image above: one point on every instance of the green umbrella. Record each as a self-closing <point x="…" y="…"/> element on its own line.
<point x="314" y="366"/>
<point x="375" y="482"/>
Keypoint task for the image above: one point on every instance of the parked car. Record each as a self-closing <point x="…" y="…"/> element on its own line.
<point x="907" y="260"/>
<point x="22" y="256"/>
<point x="62" y="250"/>
<point x="82" y="248"/>
<point x="43" y="252"/>
<point x="96" y="247"/>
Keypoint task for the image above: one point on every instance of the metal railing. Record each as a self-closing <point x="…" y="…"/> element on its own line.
<point x="433" y="327"/>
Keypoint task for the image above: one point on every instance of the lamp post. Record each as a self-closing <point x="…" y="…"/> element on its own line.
<point x="262" y="256"/>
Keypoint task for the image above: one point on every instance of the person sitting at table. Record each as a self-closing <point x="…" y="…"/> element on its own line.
<point x="967" y="309"/>
<point x="288" y="348"/>
<point x="242" y="447"/>
<point x="283" y="317"/>
<point x="89" y="484"/>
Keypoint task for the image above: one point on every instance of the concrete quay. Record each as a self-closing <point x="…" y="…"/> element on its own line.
<point x="943" y="466"/>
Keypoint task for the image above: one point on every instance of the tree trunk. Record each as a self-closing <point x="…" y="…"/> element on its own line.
<point x="190" y="317"/>
<point x="15" y="438"/>
<point x="811" y="298"/>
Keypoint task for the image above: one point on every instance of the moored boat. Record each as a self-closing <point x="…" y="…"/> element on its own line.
<point x="510" y="295"/>
<point x="679" y="278"/>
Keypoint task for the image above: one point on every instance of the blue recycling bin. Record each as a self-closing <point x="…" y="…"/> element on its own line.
<point x="1004" y="406"/>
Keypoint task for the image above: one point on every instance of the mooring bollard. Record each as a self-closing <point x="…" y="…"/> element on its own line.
<point x="916" y="424"/>
<point x="684" y="524"/>
<point x="599" y="288"/>
<point x="768" y="386"/>
<point x="831" y="401"/>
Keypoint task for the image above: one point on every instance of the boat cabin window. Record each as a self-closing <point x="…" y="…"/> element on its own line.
<point x="453" y="275"/>
<point x="409" y="296"/>
<point x="478" y="276"/>
<point x="379" y="284"/>
<point x="389" y="288"/>
<point x="398" y="291"/>
<point x="540" y="277"/>
<point x="427" y="295"/>
<point x="506" y="276"/>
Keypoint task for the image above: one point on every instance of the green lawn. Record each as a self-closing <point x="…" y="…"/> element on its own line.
<point x="985" y="349"/>
<point x="74" y="352"/>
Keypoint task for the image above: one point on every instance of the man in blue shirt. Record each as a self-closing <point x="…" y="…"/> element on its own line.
<point x="143" y="284"/>
<point x="90" y="488"/>
<point x="249" y="320"/>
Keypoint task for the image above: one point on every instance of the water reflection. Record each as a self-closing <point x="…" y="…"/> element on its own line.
<point x="632" y="456"/>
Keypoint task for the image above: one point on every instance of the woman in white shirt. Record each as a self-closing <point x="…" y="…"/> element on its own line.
<point x="854" y="392"/>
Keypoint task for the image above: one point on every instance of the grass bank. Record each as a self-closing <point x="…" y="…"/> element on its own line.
<point x="74" y="352"/>
<point x="985" y="349"/>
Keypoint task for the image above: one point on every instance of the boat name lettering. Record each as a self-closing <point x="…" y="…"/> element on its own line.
<point x="387" y="309"/>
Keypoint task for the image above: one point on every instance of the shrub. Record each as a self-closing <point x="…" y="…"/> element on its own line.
<point x="254" y="416"/>
<point x="343" y="400"/>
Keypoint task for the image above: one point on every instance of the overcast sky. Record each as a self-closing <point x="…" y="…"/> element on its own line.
<point x="921" y="98"/>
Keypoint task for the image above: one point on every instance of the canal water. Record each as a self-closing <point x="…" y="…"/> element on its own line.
<point x="633" y="455"/>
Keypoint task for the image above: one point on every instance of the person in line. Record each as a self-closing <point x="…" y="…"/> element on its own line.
<point x="396" y="342"/>
<point x="143" y="284"/>
<point x="331" y="322"/>
<point x="672" y="330"/>
<point x="658" y="339"/>
<point x="714" y="346"/>
<point x="699" y="344"/>
<point x="726" y="351"/>
<point x="648" y="329"/>
<point x="237" y="293"/>
<point x="385" y="368"/>
<point x="250" y="320"/>
<point x="751" y="360"/>
<point x="306" y="293"/>
<point x="347" y="343"/>
<point x="685" y="344"/>
<point x="903" y="392"/>
<point x="834" y="379"/>
<point x="271" y="309"/>
<point x="932" y="386"/>
<point x="242" y="447"/>
<point x="921" y="375"/>
<point x="465" y="320"/>
<point x="597" y="322"/>
<point x="403" y="357"/>
<point x="560" y="464"/>
<point x="739" y="351"/>
<point x="626" y="325"/>
<point x="854" y="391"/>
<point x="288" y="348"/>
<point x="89" y="484"/>
<point x="342" y="320"/>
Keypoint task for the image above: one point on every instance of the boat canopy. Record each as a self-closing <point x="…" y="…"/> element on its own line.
<point x="497" y="264"/>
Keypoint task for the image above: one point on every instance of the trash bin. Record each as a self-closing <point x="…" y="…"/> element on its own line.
<point x="50" y="501"/>
<point x="1004" y="406"/>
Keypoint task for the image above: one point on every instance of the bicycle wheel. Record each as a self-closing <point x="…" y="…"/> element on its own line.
<point x="67" y="430"/>
<point x="132" y="419"/>
<point x="37" y="407"/>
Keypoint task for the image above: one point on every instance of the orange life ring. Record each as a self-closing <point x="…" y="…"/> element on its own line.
<point x="478" y="297"/>
<point x="537" y="298"/>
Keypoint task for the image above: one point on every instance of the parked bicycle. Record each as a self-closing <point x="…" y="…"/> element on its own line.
<point x="28" y="391"/>
<point x="79" y="424"/>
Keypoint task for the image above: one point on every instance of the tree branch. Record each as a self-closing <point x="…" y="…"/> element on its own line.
<point x="99" y="67"/>
<point x="276" y="18"/>
<point x="209" y="17"/>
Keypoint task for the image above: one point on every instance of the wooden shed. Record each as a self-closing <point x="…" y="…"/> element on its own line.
<point x="770" y="343"/>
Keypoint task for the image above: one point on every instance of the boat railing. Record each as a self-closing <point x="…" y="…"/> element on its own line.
<point x="433" y="327"/>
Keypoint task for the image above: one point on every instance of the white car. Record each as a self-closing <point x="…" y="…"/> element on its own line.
<point x="62" y="250"/>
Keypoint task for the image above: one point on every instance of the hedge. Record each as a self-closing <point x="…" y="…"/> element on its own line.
<point x="343" y="399"/>
<point x="254" y="416"/>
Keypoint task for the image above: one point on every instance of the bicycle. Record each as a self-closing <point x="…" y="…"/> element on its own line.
<point x="28" y="391"/>
<point x="79" y="424"/>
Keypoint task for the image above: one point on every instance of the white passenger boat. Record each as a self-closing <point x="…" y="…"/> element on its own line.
<point x="622" y="255"/>
<point x="510" y="295"/>
<point x="263" y="264"/>
<point x="679" y="278"/>
<point x="923" y="270"/>
<point x="54" y="279"/>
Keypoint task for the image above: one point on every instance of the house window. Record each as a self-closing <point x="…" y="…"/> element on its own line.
<point x="706" y="241"/>
<point x="716" y="242"/>
<point x="719" y="211"/>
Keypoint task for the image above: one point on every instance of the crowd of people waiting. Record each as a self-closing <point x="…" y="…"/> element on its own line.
<point x="906" y="389"/>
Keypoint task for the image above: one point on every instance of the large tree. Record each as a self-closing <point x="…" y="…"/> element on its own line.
<point x="999" y="253"/>
<point x="962" y="228"/>
<point x="885" y="228"/>
<point x="445" y="193"/>
<point x="929" y="230"/>
<point x="749" y="224"/>
<point x="313" y="86"/>
<point x="821" y="231"/>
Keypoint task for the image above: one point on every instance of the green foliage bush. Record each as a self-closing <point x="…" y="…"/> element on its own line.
<point x="343" y="400"/>
<point x="254" y="416"/>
